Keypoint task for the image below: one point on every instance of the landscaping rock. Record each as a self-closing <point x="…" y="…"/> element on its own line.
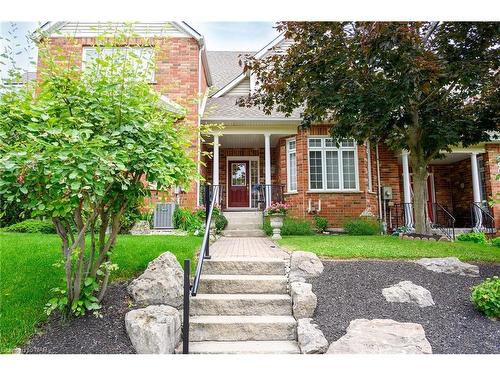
<point x="141" y="227"/>
<point x="304" y="264"/>
<point x="304" y="301"/>
<point x="154" y="329"/>
<point x="311" y="339"/>
<point x="407" y="292"/>
<point x="160" y="284"/>
<point x="450" y="265"/>
<point x="382" y="336"/>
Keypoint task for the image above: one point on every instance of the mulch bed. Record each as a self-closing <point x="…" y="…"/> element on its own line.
<point x="349" y="290"/>
<point x="88" y="335"/>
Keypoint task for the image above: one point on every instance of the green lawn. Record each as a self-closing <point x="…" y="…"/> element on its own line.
<point x="27" y="275"/>
<point x="387" y="247"/>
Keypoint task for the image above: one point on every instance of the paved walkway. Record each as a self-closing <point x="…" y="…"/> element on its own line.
<point x="242" y="247"/>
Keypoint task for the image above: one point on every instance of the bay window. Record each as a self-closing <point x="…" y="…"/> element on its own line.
<point x="332" y="167"/>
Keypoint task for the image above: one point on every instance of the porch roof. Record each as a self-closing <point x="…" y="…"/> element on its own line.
<point x="225" y="108"/>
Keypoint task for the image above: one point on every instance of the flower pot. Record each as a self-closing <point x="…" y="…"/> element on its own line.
<point x="276" y="222"/>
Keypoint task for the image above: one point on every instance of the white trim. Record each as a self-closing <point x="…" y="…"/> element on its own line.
<point x="242" y="76"/>
<point x="288" y="189"/>
<point x="243" y="158"/>
<point x="230" y="85"/>
<point x="369" y="166"/>
<point x="339" y="150"/>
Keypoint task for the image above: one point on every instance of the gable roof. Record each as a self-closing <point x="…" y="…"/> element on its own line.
<point x="224" y="66"/>
<point x="240" y="77"/>
<point x="174" y="28"/>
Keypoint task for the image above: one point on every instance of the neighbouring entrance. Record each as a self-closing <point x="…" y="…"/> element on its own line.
<point x="239" y="184"/>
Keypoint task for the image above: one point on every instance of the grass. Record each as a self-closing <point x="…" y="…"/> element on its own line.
<point x="27" y="274"/>
<point x="387" y="247"/>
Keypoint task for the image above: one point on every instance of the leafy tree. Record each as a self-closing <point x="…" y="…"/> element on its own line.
<point x="420" y="86"/>
<point x="80" y="147"/>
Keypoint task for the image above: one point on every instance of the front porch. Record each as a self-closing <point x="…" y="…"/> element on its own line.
<point x="246" y="167"/>
<point x="458" y="193"/>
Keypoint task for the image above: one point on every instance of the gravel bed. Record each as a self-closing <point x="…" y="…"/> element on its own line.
<point x="349" y="290"/>
<point x="88" y="335"/>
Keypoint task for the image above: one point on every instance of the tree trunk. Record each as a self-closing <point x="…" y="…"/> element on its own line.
<point x="419" y="169"/>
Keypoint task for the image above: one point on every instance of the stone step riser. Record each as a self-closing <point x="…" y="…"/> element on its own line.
<point x="221" y="286"/>
<point x="242" y="306"/>
<point x="229" y="267"/>
<point x="243" y="227"/>
<point x="242" y="331"/>
<point x="244" y="347"/>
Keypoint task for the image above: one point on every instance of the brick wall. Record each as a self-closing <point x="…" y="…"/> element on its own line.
<point x="492" y="167"/>
<point x="176" y="75"/>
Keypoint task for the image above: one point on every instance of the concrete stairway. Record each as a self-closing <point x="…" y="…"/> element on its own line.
<point x="243" y="307"/>
<point x="243" y="224"/>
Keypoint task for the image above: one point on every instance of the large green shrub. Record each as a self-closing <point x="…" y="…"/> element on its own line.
<point x="486" y="297"/>
<point x="362" y="227"/>
<point x="32" y="226"/>
<point x="186" y="220"/>
<point x="220" y="222"/>
<point x="476" y="237"/>
<point x="291" y="227"/>
<point x="321" y="223"/>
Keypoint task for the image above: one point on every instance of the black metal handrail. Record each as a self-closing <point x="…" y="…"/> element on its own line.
<point x="483" y="220"/>
<point x="442" y="220"/>
<point x="211" y="195"/>
<point x="270" y="193"/>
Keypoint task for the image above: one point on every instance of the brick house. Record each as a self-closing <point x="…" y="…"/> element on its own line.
<point x="258" y="158"/>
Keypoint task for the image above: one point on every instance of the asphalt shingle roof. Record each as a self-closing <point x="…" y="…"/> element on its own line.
<point x="224" y="66"/>
<point x="225" y="108"/>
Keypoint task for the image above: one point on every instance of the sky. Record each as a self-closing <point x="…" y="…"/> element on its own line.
<point x="219" y="36"/>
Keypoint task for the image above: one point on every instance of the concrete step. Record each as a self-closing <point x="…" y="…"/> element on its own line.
<point x="243" y="226"/>
<point x="242" y="328"/>
<point x="244" y="266"/>
<point x="244" y="347"/>
<point x="237" y="284"/>
<point x="241" y="304"/>
<point x="244" y="233"/>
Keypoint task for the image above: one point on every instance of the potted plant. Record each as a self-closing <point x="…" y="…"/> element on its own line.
<point x="276" y="212"/>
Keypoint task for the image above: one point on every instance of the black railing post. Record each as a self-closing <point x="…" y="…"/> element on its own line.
<point x="207" y="212"/>
<point x="185" y="319"/>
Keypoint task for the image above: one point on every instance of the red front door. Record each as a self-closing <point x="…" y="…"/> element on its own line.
<point x="238" y="184"/>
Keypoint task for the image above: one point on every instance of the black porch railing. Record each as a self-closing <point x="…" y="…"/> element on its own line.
<point x="211" y="194"/>
<point x="442" y="220"/>
<point x="269" y="193"/>
<point x="400" y="215"/>
<point x="483" y="219"/>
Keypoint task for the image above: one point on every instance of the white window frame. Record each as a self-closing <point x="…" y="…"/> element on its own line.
<point x="339" y="150"/>
<point x="90" y="48"/>
<point x="369" y="165"/>
<point x="288" y="175"/>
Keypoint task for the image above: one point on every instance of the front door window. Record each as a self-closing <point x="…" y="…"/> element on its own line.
<point x="238" y="174"/>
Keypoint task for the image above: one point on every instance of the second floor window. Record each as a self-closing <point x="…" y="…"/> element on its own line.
<point x="332" y="167"/>
<point x="139" y="60"/>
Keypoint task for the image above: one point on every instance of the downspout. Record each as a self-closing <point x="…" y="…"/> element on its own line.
<point x="199" y="123"/>
<point x="379" y="189"/>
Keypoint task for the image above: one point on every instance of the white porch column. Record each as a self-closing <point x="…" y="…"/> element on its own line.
<point x="267" y="159"/>
<point x="215" y="179"/>
<point x="476" y="193"/>
<point x="407" y="206"/>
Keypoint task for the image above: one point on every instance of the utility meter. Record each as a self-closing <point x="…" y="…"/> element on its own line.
<point x="387" y="193"/>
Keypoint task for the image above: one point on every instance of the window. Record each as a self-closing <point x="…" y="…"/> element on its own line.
<point x="332" y="167"/>
<point x="142" y="58"/>
<point x="482" y="178"/>
<point x="291" y="159"/>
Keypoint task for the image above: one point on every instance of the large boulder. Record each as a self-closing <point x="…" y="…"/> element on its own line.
<point x="304" y="264"/>
<point x="304" y="301"/>
<point x="407" y="292"/>
<point x="381" y="336"/>
<point x="154" y="329"/>
<point x="311" y="339"/>
<point x="141" y="227"/>
<point x="160" y="284"/>
<point x="450" y="265"/>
